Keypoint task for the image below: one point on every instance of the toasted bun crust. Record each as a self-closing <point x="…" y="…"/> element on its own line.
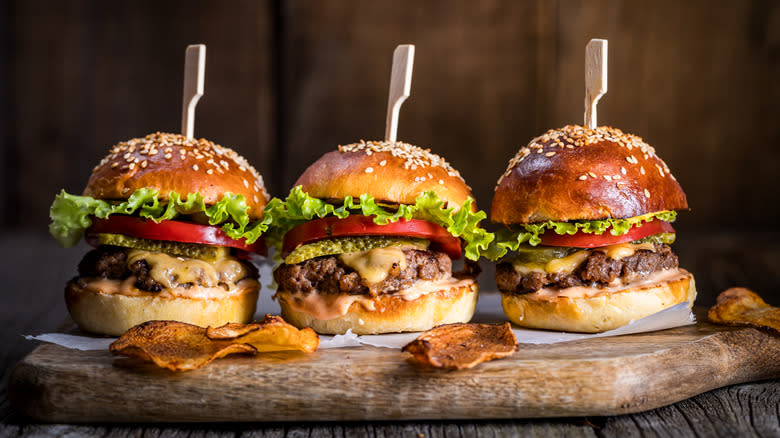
<point x="576" y="173"/>
<point x="392" y="314"/>
<point x="170" y="162"/>
<point x="394" y="173"/>
<point x="114" y="314"/>
<point x="598" y="313"/>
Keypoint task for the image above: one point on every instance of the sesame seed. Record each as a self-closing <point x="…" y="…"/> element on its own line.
<point x="441" y="181"/>
<point x="592" y="175"/>
<point x="194" y="167"/>
<point x="383" y="162"/>
<point x="246" y="184"/>
<point x="369" y="169"/>
<point x="642" y="170"/>
<point x="623" y="170"/>
<point x="549" y="154"/>
<point x="115" y="164"/>
<point x="583" y="177"/>
<point x="210" y="171"/>
<point x="607" y="177"/>
<point x="199" y="148"/>
<point x="254" y="197"/>
<point x="647" y="193"/>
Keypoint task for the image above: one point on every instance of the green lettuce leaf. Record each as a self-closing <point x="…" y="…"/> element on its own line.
<point x="510" y="239"/>
<point x="71" y="215"/>
<point x="282" y="216"/>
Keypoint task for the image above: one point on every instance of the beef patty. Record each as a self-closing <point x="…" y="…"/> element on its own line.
<point x="329" y="275"/>
<point x="597" y="270"/>
<point x="111" y="262"/>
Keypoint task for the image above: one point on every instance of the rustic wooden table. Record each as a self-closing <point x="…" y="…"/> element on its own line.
<point x="33" y="270"/>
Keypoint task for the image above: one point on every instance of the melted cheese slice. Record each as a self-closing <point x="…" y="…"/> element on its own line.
<point x="173" y="272"/>
<point x="621" y="250"/>
<point x="375" y="264"/>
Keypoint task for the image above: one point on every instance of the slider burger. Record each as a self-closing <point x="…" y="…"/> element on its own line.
<point x="169" y="218"/>
<point x="587" y="215"/>
<point x="368" y="235"/>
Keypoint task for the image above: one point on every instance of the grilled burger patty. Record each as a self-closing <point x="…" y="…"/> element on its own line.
<point x="111" y="262"/>
<point x="597" y="270"/>
<point x="329" y="275"/>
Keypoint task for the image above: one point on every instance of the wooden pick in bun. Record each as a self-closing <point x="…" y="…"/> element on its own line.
<point x="370" y="233"/>
<point x="173" y="222"/>
<point x="586" y="245"/>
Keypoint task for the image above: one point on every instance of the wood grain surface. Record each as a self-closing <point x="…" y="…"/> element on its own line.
<point x="610" y="376"/>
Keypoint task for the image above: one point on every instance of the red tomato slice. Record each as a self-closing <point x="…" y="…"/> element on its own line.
<point x="175" y="231"/>
<point x="585" y="240"/>
<point x="359" y="225"/>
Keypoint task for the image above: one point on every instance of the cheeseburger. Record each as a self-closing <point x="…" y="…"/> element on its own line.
<point x="169" y="218"/>
<point x="368" y="235"/>
<point x="585" y="247"/>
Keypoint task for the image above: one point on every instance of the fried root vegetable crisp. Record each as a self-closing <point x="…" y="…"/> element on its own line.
<point x="462" y="346"/>
<point x="179" y="346"/>
<point x="740" y="306"/>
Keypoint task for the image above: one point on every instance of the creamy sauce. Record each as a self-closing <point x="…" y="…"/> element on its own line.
<point x="651" y="280"/>
<point x="324" y="306"/>
<point x="125" y="287"/>
<point x="330" y="306"/>
<point x="172" y="272"/>
<point x="375" y="264"/>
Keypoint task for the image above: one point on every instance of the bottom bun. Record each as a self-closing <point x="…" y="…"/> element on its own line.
<point x="114" y="314"/>
<point x="392" y="313"/>
<point x="601" y="312"/>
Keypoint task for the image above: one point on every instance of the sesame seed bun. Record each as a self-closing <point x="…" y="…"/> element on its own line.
<point x="395" y="173"/>
<point x="170" y="162"/>
<point x="391" y="313"/>
<point x="601" y="312"/>
<point x="576" y="173"/>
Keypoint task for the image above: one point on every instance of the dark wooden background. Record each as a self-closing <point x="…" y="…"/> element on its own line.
<point x="289" y="80"/>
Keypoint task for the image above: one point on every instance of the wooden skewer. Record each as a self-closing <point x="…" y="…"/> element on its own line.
<point x="595" y="78"/>
<point x="400" y="86"/>
<point x="194" y="74"/>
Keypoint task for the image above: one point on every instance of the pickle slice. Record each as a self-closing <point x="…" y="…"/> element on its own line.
<point x="542" y="254"/>
<point x="343" y="245"/>
<point x="192" y="250"/>
<point x="659" y="239"/>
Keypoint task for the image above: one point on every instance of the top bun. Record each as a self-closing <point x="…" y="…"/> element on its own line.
<point x="170" y="162"/>
<point x="391" y="172"/>
<point x="576" y="173"/>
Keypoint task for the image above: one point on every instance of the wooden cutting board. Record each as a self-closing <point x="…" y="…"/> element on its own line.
<point x="604" y="376"/>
